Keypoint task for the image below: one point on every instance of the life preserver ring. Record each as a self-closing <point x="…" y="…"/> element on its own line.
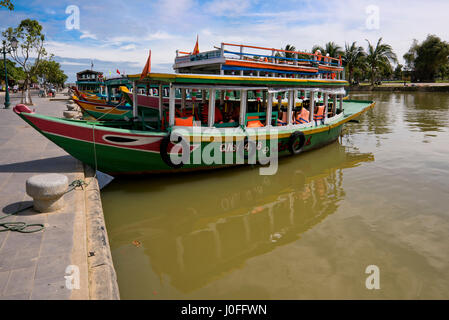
<point x="251" y="149"/>
<point x="296" y="142"/>
<point x="333" y="75"/>
<point x="164" y="150"/>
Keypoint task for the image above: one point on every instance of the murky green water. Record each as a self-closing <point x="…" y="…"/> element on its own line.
<point x="380" y="196"/>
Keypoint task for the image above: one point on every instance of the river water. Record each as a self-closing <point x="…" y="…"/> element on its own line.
<point x="379" y="196"/>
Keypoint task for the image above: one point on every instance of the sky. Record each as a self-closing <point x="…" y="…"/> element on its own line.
<point x="119" y="34"/>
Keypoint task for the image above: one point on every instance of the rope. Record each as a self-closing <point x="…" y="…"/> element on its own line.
<point x="19" y="226"/>
<point x="23" y="227"/>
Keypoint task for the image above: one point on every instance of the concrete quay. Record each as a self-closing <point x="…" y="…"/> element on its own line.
<point x="70" y="258"/>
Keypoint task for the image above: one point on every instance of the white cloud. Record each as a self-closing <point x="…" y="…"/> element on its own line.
<point x="73" y="63"/>
<point x="129" y="47"/>
<point x="228" y="7"/>
<point x="166" y="25"/>
<point x="87" y="35"/>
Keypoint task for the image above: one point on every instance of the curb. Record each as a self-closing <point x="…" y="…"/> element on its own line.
<point x="102" y="277"/>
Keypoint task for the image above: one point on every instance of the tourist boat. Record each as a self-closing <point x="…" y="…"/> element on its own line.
<point x="205" y="132"/>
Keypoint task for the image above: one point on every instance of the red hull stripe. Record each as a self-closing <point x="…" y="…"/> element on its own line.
<point x="105" y="137"/>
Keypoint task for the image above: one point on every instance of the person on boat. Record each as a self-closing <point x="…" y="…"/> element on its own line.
<point x="282" y="121"/>
<point x="205" y="114"/>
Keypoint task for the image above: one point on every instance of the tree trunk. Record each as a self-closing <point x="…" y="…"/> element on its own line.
<point x="372" y="76"/>
<point x="351" y="72"/>
<point x="26" y="93"/>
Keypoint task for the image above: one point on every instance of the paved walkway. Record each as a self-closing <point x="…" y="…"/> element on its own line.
<point x="33" y="266"/>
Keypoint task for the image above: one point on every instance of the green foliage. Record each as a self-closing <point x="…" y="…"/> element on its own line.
<point x="379" y="59"/>
<point x="14" y="73"/>
<point x="31" y="44"/>
<point x="289" y="47"/>
<point x="353" y="58"/>
<point x="428" y="59"/>
<point x="7" y="4"/>
<point x="398" y="72"/>
<point x="50" y="72"/>
<point x="331" y="48"/>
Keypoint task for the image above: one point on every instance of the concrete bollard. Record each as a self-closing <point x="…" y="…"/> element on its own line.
<point x="70" y="114"/>
<point x="72" y="107"/>
<point x="47" y="191"/>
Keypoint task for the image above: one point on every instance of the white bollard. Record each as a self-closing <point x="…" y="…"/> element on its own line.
<point x="47" y="191"/>
<point x="72" y="107"/>
<point x="70" y="114"/>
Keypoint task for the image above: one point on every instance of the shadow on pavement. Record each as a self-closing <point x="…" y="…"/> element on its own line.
<point x="62" y="164"/>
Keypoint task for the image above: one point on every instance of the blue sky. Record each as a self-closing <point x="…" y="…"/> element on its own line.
<point x="118" y="34"/>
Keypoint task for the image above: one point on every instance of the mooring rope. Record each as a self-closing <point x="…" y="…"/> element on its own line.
<point x="23" y="227"/>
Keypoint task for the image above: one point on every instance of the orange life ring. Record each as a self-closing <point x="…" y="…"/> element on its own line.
<point x="333" y="75"/>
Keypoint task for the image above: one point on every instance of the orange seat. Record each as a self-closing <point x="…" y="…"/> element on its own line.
<point x="184" y="122"/>
<point x="254" y="124"/>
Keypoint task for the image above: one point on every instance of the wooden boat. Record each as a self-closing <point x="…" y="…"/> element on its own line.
<point x="247" y="132"/>
<point x="85" y="96"/>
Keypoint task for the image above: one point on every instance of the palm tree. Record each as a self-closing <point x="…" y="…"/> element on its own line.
<point x="353" y="57"/>
<point x="331" y="48"/>
<point x="379" y="57"/>
<point x="289" y="47"/>
<point x="316" y="48"/>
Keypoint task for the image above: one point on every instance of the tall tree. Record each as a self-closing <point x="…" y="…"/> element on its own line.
<point x="398" y="72"/>
<point x="353" y="57"/>
<point x="428" y="59"/>
<point x="14" y="73"/>
<point x="410" y="56"/>
<point x="289" y="47"/>
<point x="7" y="4"/>
<point x="31" y="45"/>
<point x="379" y="58"/>
<point x="50" y="72"/>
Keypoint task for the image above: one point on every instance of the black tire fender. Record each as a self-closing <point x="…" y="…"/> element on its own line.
<point x="294" y="147"/>
<point x="164" y="149"/>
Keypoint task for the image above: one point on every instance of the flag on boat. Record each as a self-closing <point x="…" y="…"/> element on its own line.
<point x="147" y="69"/>
<point x="196" y="50"/>
<point x="117" y="71"/>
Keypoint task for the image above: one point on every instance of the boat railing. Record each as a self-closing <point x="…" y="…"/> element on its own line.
<point x="267" y="55"/>
<point x="270" y="55"/>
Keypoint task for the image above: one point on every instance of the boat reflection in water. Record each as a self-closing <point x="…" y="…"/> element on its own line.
<point x="191" y="230"/>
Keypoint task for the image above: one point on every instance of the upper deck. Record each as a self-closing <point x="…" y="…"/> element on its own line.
<point x="245" y="60"/>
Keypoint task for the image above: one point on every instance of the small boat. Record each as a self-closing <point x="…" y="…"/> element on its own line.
<point x="204" y="132"/>
<point x="85" y="96"/>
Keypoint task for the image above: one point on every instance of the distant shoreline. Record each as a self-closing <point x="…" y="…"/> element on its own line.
<point x="397" y="87"/>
